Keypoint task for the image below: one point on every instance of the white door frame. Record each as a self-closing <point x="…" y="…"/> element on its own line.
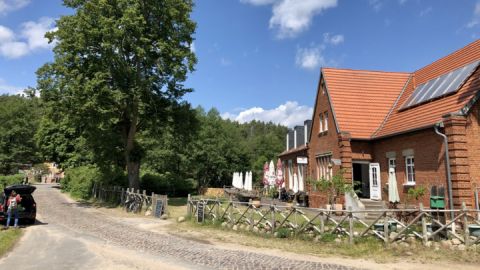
<point x="375" y="181"/>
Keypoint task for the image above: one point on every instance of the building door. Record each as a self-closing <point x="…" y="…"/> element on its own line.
<point x="375" y="182"/>
<point x="361" y="179"/>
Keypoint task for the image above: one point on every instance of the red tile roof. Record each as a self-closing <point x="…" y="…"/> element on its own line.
<point x="361" y="99"/>
<point x="367" y="103"/>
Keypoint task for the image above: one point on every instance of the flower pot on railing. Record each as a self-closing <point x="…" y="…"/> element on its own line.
<point x="338" y="207"/>
<point x="256" y="203"/>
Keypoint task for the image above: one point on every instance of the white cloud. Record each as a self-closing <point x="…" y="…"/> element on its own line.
<point x="376" y="4"/>
<point x="225" y="62"/>
<point x="11" y="5"/>
<point x="9" y="89"/>
<point x="6" y="34"/>
<point x="288" y="114"/>
<point x="426" y="11"/>
<point x="31" y="38"/>
<point x="258" y="2"/>
<point x="291" y="17"/>
<point x="401" y="2"/>
<point x="333" y="39"/>
<point x="310" y="58"/>
<point x="34" y="32"/>
<point x="476" y="16"/>
<point x="192" y="47"/>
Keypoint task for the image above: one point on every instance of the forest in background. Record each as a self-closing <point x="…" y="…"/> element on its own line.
<point x="198" y="149"/>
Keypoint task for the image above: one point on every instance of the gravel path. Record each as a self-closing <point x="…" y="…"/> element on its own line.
<point x="54" y="209"/>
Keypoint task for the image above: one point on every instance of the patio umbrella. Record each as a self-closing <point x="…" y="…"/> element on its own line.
<point x="246" y="186"/>
<point x="392" y="187"/>
<point x="272" y="176"/>
<point x="234" y="179"/>
<point x="265" y="174"/>
<point x="250" y="181"/>
<point x="279" y="181"/>
<point x="240" y="181"/>
<point x="295" y="183"/>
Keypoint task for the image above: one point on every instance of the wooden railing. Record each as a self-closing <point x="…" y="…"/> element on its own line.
<point x="116" y="195"/>
<point x="388" y="225"/>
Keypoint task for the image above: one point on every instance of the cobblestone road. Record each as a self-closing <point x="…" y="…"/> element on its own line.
<point x="54" y="209"/>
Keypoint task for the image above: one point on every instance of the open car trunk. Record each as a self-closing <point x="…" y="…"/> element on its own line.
<point x="26" y="207"/>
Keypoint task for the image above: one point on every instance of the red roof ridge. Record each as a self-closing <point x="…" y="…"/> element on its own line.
<point x="366" y="70"/>
<point x="473" y="43"/>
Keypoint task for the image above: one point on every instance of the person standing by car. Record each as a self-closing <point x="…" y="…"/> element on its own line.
<point x="12" y="205"/>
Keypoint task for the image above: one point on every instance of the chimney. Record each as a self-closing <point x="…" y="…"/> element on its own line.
<point x="308" y="129"/>
<point x="299" y="136"/>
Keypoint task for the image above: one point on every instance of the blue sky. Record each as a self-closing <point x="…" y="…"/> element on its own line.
<point x="260" y="59"/>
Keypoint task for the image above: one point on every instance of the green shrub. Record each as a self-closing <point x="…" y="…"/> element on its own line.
<point x="7" y="180"/>
<point x="79" y="181"/>
<point x="167" y="184"/>
<point x="283" y="233"/>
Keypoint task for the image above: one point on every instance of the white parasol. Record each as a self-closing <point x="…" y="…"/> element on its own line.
<point x="295" y="183"/>
<point x="271" y="172"/>
<point x="392" y="187"/>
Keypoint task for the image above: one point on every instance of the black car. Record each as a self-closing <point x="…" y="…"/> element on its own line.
<point x="27" y="208"/>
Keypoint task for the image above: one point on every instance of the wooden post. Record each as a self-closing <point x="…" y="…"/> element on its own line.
<point x="350" y="225"/>
<point x="189" y="207"/>
<point x="385" y="229"/>
<point x="424" y="225"/>
<point x="252" y="211"/>
<point x="273" y="217"/>
<point x="217" y="210"/>
<point x="322" y="223"/>
<point x="465" y="225"/>
<point x="230" y="206"/>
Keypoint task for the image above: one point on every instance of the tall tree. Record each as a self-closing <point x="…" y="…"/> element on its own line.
<point x="119" y="69"/>
<point x="19" y="117"/>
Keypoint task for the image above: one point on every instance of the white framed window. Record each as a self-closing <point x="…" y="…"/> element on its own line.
<point x="320" y="123"/>
<point x="392" y="164"/>
<point x="410" y="169"/>
<point x="325" y="124"/>
<point x="324" y="168"/>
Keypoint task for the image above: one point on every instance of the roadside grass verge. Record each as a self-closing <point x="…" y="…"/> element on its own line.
<point x="8" y="238"/>
<point x="369" y="248"/>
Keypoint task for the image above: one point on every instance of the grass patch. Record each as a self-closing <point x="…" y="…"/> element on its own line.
<point x="369" y="248"/>
<point x="8" y="238"/>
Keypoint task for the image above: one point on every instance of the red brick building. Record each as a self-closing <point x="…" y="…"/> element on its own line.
<point x="366" y="122"/>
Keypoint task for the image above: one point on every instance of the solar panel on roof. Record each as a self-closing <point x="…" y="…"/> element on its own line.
<point x="443" y="85"/>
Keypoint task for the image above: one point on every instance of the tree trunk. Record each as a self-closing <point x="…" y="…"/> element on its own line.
<point x="133" y="172"/>
<point x="132" y="154"/>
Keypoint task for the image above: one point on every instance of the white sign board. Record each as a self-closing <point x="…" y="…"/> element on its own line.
<point x="336" y="161"/>
<point x="302" y="160"/>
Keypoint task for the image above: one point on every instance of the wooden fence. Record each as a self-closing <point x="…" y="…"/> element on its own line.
<point x="390" y="225"/>
<point x="115" y="195"/>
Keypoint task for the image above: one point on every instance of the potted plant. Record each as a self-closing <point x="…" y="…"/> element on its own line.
<point x="334" y="188"/>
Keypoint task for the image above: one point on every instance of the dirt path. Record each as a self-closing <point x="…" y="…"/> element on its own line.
<point x="71" y="235"/>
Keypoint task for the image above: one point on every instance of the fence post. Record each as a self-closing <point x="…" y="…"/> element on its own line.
<point x="189" y="207"/>
<point x="350" y="224"/>
<point x="273" y="217"/>
<point x="230" y="206"/>
<point x="252" y="208"/>
<point x="424" y="225"/>
<point x="322" y="223"/>
<point x="465" y="225"/>
<point x="385" y="229"/>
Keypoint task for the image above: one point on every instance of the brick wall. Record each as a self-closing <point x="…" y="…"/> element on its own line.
<point x="325" y="141"/>
<point x="429" y="160"/>
<point x="473" y="142"/>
